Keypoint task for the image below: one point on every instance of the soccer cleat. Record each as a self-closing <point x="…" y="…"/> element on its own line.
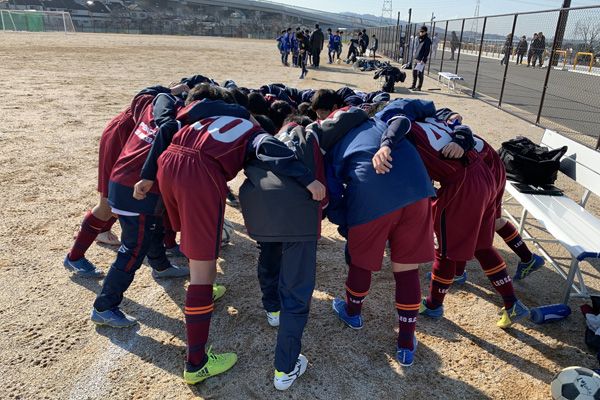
<point x="174" y="251"/>
<point x="406" y="356"/>
<point x="108" y="238"/>
<point x="231" y="200"/>
<point x="283" y="381"/>
<point x="172" y="272"/>
<point x="114" y="318"/>
<point x="216" y="364"/>
<point x="353" y="321"/>
<point x="525" y="269"/>
<point x="459" y="279"/>
<point x="516" y="312"/>
<point x="273" y="318"/>
<point x="218" y="291"/>
<point x="435" y="313"/>
<point x="82" y="267"/>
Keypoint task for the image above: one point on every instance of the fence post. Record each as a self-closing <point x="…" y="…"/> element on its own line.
<point x="549" y="68"/>
<point x="431" y="51"/>
<point x="444" y="47"/>
<point x="479" y="57"/>
<point x="396" y="38"/>
<point x="462" y="29"/>
<point x="512" y="33"/>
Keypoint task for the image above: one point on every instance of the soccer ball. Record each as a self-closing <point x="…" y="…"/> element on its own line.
<point x="227" y="232"/>
<point x="576" y="383"/>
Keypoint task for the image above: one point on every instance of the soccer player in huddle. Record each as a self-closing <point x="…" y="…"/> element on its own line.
<point x="100" y="219"/>
<point x="465" y="206"/>
<point x="192" y="166"/>
<point x="529" y="262"/>
<point x="372" y="210"/>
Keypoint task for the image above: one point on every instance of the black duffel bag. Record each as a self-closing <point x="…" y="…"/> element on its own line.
<point x="529" y="163"/>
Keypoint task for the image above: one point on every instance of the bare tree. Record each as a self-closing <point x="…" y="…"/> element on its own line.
<point x="589" y="33"/>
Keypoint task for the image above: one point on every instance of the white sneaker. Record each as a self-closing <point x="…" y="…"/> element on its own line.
<point x="273" y="318"/>
<point x="283" y="381"/>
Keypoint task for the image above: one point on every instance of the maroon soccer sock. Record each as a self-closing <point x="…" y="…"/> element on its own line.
<point x="198" y="312"/>
<point x="442" y="276"/>
<point x="108" y="225"/>
<point x="495" y="268"/>
<point x="357" y="288"/>
<point x="460" y="268"/>
<point x="511" y="237"/>
<point x="408" y="297"/>
<point x="170" y="235"/>
<point x="90" y="228"/>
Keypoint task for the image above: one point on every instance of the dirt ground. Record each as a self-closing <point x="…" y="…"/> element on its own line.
<point x="59" y="91"/>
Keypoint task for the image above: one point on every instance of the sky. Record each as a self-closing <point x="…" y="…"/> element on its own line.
<point x="443" y="9"/>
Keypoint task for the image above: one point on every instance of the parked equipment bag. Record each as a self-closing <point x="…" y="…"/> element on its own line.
<point x="527" y="162"/>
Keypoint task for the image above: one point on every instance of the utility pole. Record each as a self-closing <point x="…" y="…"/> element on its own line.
<point x="386" y="11"/>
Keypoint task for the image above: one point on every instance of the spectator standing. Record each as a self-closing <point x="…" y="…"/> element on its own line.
<point x="531" y="52"/>
<point x="454" y="44"/>
<point x="422" y="53"/>
<point x="507" y="49"/>
<point x="435" y="41"/>
<point x="374" y="46"/>
<point x="521" y="49"/>
<point x="365" y="42"/>
<point x="541" y="48"/>
<point x="316" y="44"/>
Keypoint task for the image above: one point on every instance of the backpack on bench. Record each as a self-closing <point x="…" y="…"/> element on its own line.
<point x="529" y="163"/>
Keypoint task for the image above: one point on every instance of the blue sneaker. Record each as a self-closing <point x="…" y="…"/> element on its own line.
<point x="114" y="318"/>
<point x="435" y="313"/>
<point x="516" y="312"/>
<point x="405" y="356"/>
<point x="459" y="279"/>
<point x="339" y="307"/>
<point x="83" y="267"/>
<point x="174" y="251"/>
<point x="173" y="271"/>
<point x="525" y="269"/>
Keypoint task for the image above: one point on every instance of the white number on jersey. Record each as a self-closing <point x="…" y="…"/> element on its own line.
<point x="439" y="134"/>
<point x="234" y="128"/>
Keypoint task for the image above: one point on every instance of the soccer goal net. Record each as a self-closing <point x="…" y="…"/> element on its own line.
<point x="36" y="21"/>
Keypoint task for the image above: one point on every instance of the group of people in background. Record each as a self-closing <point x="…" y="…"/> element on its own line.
<point x="535" y="54"/>
<point x="306" y="47"/>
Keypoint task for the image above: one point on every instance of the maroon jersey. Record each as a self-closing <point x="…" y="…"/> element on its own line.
<point x="430" y="137"/>
<point x="222" y="141"/>
<point x="115" y="136"/>
<point x="127" y="169"/>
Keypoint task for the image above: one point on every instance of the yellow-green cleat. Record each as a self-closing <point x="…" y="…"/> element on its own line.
<point x="215" y="365"/>
<point x="218" y="291"/>
<point x="513" y="314"/>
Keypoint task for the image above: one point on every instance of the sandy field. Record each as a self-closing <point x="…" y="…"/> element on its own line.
<point x="57" y="94"/>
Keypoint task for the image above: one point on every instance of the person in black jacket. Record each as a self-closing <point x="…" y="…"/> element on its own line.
<point x="316" y="45"/>
<point x="521" y="49"/>
<point x="507" y="49"/>
<point x="304" y="49"/>
<point x="422" y="52"/>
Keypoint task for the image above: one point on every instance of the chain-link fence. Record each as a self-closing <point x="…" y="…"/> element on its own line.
<point x="541" y="66"/>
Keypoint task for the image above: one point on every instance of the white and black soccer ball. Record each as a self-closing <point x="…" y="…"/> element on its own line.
<point x="227" y="232"/>
<point x="576" y="383"/>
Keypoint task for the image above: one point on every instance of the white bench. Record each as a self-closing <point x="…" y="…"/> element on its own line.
<point x="449" y="79"/>
<point x="575" y="228"/>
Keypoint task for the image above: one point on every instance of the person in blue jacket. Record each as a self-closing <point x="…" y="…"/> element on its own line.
<point x="373" y="209"/>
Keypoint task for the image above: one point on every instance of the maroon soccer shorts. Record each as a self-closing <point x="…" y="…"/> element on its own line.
<point x="111" y="143"/>
<point x="194" y="196"/>
<point x="464" y="213"/>
<point x="409" y="231"/>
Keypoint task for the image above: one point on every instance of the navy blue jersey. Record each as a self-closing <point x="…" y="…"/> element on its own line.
<point x="357" y="193"/>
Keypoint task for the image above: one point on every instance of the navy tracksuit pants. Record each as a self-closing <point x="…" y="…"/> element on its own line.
<point x="286" y="273"/>
<point x="141" y="236"/>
